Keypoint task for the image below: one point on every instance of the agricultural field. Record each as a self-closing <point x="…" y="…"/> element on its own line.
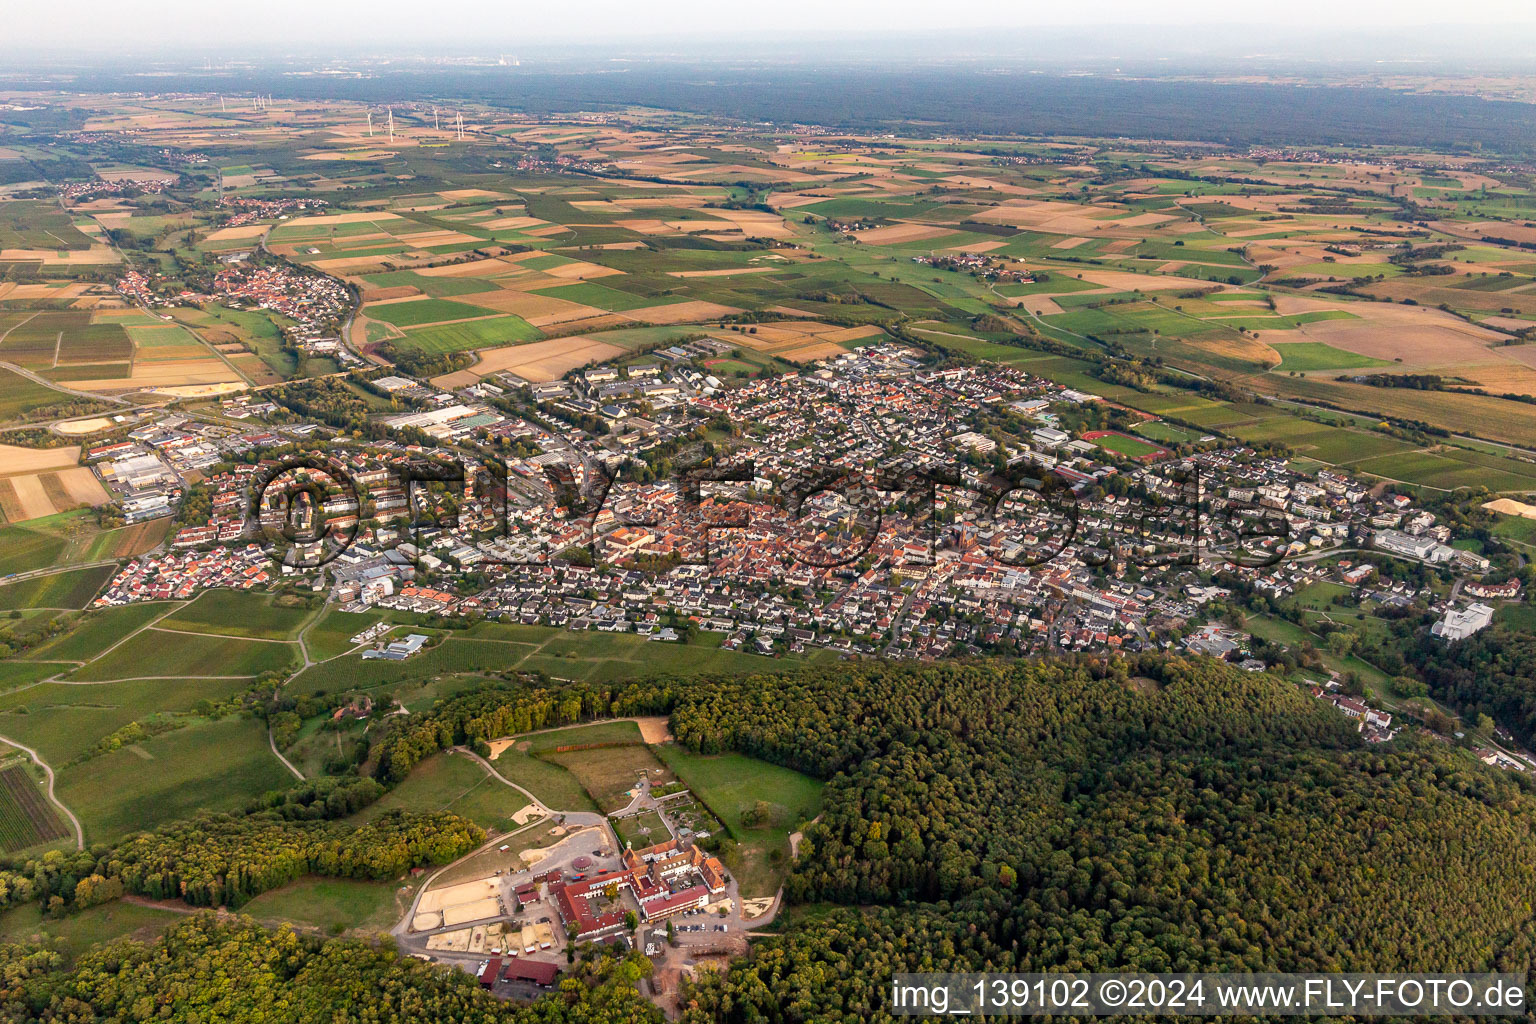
<point x="184" y="654"/>
<point x="331" y="634"/>
<point x="40" y="225"/>
<point x="554" y="786"/>
<point x="97" y="630"/>
<point x="454" y="782"/>
<point x="1302" y="356"/>
<point x="1447" y="468"/>
<point x="45" y="541"/>
<point x="553" y="740"/>
<point x="416" y="312"/>
<point x="64" y="722"/>
<point x="22" y="399"/>
<point x="207" y="765"/>
<point x="69" y="589"/>
<point x="473" y="334"/>
<point x="491" y="646"/>
<point x="26" y="817"/>
<point x="610" y="774"/>
<point x="1196" y="297"/>
<point x="239" y="613"/>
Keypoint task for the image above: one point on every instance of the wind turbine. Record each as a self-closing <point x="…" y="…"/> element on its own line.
<point x="391" y="124"/>
<point x="434" y="119"/>
<point x="370" y="124"/>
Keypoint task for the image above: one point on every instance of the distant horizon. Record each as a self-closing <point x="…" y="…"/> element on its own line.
<point x="689" y="29"/>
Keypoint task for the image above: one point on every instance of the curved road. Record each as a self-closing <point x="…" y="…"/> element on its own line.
<point x="309" y="662"/>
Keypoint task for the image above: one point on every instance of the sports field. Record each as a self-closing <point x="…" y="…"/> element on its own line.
<point x="1124" y="444"/>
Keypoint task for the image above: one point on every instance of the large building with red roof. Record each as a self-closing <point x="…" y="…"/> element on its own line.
<point x="651" y="876"/>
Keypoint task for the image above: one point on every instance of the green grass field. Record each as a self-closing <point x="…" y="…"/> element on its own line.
<point x="415" y="312"/>
<point x="501" y="330"/>
<point x="453" y="782"/>
<point x="97" y="630"/>
<point x="1450" y="468"/>
<point x="590" y="657"/>
<point x="189" y="654"/>
<point x="1165" y="432"/>
<point x="589" y="293"/>
<point x="1515" y="528"/>
<point x="15" y="675"/>
<point x="238" y="613"/>
<point x="1130" y="447"/>
<point x="600" y="732"/>
<point x="24" y="548"/>
<point x="73" y="934"/>
<point x="63" y="721"/>
<point x="434" y="287"/>
<point x="38" y="224"/>
<point x="332" y="634"/>
<point x="72" y="589"/>
<point x="555" y="787"/>
<point x="1314" y="355"/>
<point x="732" y="785"/>
<point x="641" y="830"/>
<point x="20" y="398"/>
<point x="207" y="766"/>
<point x="1326" y="442"/>
<point x="333" y="905"/>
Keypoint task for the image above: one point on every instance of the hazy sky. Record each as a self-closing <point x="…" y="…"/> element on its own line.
<point x="466" y="24"/>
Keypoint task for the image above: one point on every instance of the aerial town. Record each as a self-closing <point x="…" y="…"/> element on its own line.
<point x="624" y="533"/>
<point x="536" y="543"/>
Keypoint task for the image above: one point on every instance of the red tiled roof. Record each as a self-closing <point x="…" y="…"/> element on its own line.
<point x="531" y="970"/>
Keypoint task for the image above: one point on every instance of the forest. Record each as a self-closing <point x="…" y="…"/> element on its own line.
<point x="950" y="99"/>
<point x="185" y="975"/>
<point x="225" y="859"/>
<point x="1492" y="673"/>
<point x="1157" y="815"/>
<point x="1154" y="814"/>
